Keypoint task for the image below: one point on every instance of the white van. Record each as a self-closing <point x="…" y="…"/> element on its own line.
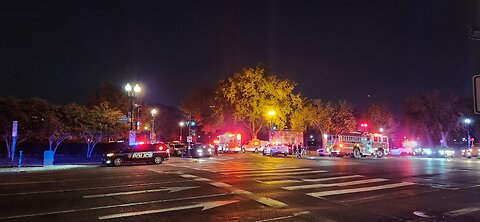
<point x="254" y="146"/>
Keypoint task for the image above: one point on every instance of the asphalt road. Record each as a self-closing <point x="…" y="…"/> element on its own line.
<point x="250" y="187"/>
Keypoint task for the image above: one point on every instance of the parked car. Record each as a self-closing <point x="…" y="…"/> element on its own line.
<point x="254" y="146"/>
<point x="177" y="149"/>
<point x="144" y="153"/>
<point x="472" y="152"/>
<point x="274" y="150"/>
<point x="201" y="150"/>
<point x="322" y="152"/>
<point x="438" y="152"/>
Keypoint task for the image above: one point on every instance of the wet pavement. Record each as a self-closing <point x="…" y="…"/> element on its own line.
<point x="249" y="187"/>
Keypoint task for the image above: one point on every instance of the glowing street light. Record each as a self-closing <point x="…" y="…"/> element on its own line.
<point x="152" y="132"/>
<point x="128" y="87"/>
<point x="467" y="122"/>
<point x="271" y="113"/>
<point x="381" y="130"/>
<point x="137" y="88"/>
<point x="181" y="124"/>
<point x="132" y="94"/>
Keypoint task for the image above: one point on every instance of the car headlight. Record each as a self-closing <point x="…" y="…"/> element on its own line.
<point x="209" y="150"/>
<point x="110" y="154"/>
<point x="428" y="152"/>
<point x="441" y="152"/>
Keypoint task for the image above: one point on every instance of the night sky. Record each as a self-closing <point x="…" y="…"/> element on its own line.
<point x="63" y="50"/>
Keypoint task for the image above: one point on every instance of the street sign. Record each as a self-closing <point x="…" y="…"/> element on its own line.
<point x="124" y="119"/>
<point x="189" y="139"/>
<point x="476" y="94"/>
<point x="14" y="129"/>
<point x="132" y="134"/>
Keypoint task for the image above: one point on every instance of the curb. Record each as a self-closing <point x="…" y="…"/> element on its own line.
<point x="47" y="168"/>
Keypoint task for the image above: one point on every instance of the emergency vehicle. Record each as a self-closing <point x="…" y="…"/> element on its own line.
<point x="229" y="142"/>
<point x="141" y="153"/>
<point x="357" y="145"/>
<point x="286" y="138"/>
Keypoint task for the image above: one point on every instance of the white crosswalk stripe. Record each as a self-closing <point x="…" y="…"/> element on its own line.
<point x="358" y="190"/>
<point x="282" y="173"/>
<point x="244" y="169"/>
<point x="350" y="183"/>
<point x="309" y="180"/>
<point x="267" y="171"/>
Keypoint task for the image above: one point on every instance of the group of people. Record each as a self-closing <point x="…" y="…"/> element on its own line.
<point x="298" y="149"/>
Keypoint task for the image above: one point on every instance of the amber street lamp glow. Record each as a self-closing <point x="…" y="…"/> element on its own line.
<point x="271" y="113"/>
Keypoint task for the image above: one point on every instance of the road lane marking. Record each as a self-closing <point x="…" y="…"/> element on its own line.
<point x="309" y="180"/>
<point x="332" y="178"/>
<point x="285" y="217"/>
<point x="90" y="188"/>
<point x="251" y="168"/>
<point x="459" y="212"/>
<point x="170" y="189"/>
<point x="321" y="185"/>
<point x="267" y="171"/>
<point x="271" y="202"/>
<point x="281" y="174"/>
<point x="242" y="192"/>
<point x="115" y="206"/>
<point x="202" y="179"/>
<point x="205" y="206"/>
<point x="220" y="184"/>
<point x="263" y="200"/>
<point x="280" y="181"/>
<point x="188" y="176"/>
<point x="358" y="190"/>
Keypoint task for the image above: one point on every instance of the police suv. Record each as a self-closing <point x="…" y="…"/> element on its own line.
<point x="142" y="153"/>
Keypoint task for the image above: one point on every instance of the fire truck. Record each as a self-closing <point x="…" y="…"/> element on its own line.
<point x="229" y="142"/>
<point x="357" y="145"/>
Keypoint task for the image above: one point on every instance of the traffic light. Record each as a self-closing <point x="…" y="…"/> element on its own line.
<point x="193" y="123"/>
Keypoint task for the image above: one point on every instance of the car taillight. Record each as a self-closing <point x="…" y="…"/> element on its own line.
<point x="160" y="147"/>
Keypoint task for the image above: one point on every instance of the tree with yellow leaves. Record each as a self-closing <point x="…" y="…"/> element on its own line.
<point x="259" y="98"/>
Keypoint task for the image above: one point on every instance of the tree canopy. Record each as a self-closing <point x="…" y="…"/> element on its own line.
<point x="379" y="116"/>
<point x="254" y="93"/>
<point x="434" y="116"/>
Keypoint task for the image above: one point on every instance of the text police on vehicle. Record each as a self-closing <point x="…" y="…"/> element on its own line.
<point x="143" y="153"/>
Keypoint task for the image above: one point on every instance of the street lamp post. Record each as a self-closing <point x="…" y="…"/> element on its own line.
<point x="181" y="124"/>
<point x="271" y="114"/>
<point x="132" y="92"/>
<point x="467" y="122"/>
<point x="128" y="89"/>
<point x="152" y="131"/>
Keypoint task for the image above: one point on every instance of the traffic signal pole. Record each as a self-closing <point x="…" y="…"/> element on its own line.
<point x="189" y="135"/>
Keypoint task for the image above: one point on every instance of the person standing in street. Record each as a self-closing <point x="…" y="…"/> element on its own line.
<point x="299" y="154"/>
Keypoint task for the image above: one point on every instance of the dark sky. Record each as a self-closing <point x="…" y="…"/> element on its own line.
<point x="63" y="50"/>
